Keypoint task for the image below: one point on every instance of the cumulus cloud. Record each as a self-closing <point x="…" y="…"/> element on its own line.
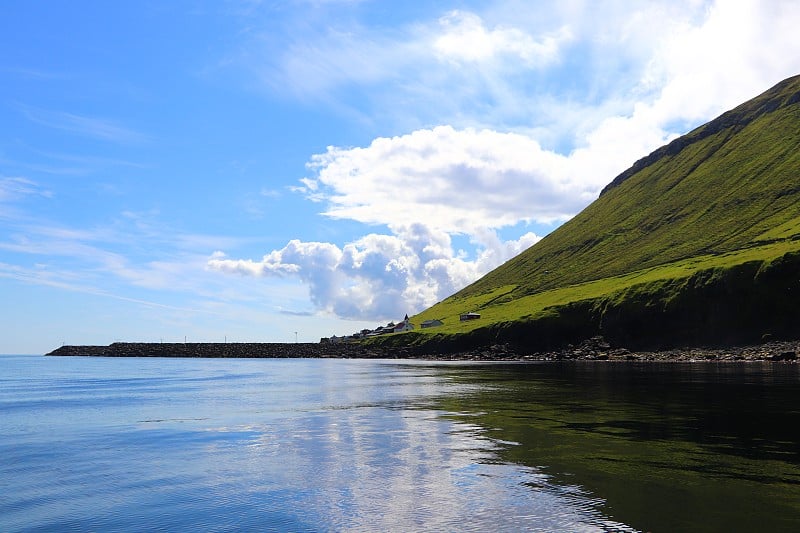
<point x="461" y="181"/>
<point x="379" y="276"/>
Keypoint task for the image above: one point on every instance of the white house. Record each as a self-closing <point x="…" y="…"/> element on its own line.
<point x="405" y="325"/>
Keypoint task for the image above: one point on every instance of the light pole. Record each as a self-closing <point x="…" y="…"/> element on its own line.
<point x="295" y="337"/>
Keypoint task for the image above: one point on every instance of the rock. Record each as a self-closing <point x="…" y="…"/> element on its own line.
<point x="785" y="356"/>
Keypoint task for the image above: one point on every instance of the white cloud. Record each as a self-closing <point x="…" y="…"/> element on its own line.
<point x="453" y="180"/>
<point x="739" y="49"/>
<point x="465" y="38"/>
<point x="378" y="276"/>
<point x="461" y="181"/>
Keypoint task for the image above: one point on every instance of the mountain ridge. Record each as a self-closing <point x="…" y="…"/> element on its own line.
<point x="632" y="225"/>
<point x="740" y="116"/>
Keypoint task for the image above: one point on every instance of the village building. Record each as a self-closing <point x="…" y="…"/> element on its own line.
<point x="405" y="325"/>
<point x="433" y="323"/>
<point x="391" y="327"/>
<point x="469" y="316"/>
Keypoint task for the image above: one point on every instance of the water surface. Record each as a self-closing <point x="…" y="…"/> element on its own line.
<point x="94" y="444"/>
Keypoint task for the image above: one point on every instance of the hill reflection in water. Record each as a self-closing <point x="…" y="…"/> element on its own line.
<point x="665" y="447"/>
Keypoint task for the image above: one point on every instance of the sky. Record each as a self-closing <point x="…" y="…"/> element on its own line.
<point x="281" y="171"/>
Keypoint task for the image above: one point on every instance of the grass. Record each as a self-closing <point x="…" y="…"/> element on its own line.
<point x="787" y="230"/>
<point x="497" y="307"/>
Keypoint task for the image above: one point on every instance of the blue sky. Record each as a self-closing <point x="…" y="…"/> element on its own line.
<point x="271" y="170"/>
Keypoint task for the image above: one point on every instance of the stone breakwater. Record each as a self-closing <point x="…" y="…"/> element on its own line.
<point x="594" y="349"/>
<point x="218" y="350"/>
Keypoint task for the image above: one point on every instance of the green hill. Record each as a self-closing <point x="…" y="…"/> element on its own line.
<point x="697" y="243"/>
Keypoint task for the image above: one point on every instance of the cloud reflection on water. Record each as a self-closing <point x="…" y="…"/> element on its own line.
<point x="391" y="469"/>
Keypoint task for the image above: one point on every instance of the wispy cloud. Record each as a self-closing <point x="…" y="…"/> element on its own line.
<point x="12" y="188"/>
<point x="45" y="277"/>
<point x="63" y="164"/>
<point x="87" y="126"/>
<point x="555" y="73"/>
<point x="135" y="251"/>
<point x="455" y="68"/>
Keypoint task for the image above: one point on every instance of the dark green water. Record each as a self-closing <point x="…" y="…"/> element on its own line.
<point x="95" y="444"/>
<point x="667" y="447"/>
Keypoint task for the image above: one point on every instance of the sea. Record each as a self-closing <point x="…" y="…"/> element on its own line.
<point x="173" y="444"/>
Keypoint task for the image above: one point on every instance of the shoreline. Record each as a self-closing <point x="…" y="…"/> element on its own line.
<point x="590" y="350"/>
<point x="594" y="349"/>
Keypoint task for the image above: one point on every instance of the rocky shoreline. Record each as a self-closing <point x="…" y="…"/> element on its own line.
<point x="594" y="349"/>
<point x="597" y="349"/>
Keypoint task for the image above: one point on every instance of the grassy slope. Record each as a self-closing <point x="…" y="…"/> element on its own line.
<point x="726" y="194"/>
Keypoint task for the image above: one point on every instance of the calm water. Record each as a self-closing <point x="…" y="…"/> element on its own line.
<point x="92" y="444"/>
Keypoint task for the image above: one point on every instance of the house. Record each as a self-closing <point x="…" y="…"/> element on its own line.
<point x="405" y="325"/>
<point x="431" y="323"/>
<point x="380" y="330"/>
<point x="469" y="316"/>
